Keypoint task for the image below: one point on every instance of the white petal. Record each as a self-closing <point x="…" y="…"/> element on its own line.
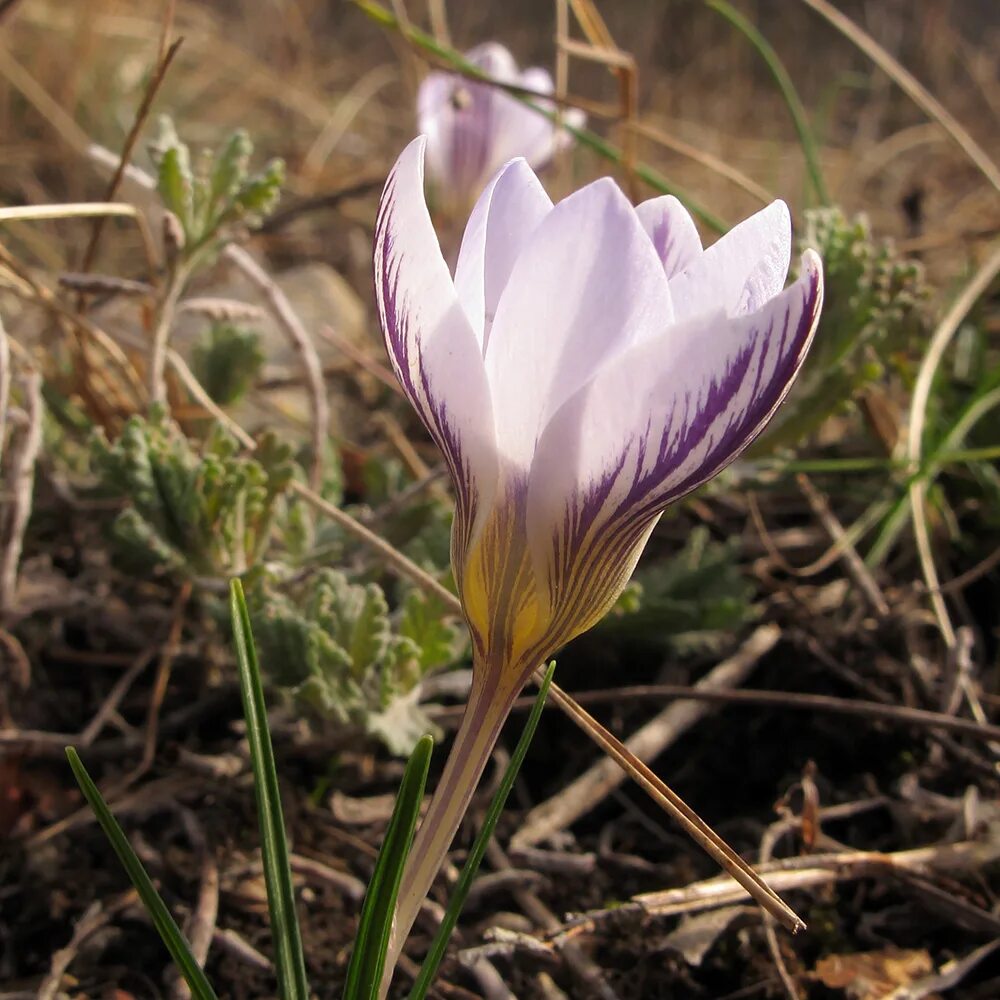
<point x="433" y="350"/>
<point x="672" y="231"/>
<point x="740" y="272"/>
<point x="587" y="285"/>
<point x="658" y="421"/>
<point x="505" y="216"/>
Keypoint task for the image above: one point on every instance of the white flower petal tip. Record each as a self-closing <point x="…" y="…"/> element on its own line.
<point x="589" y="364"/>
<point x="473" y="127"/>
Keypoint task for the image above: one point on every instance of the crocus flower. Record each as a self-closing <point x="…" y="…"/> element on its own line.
<point x="474" y="128"/>
<point x="588" y="364"/>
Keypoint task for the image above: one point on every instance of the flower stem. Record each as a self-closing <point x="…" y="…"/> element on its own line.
<point x="489" y="704"/>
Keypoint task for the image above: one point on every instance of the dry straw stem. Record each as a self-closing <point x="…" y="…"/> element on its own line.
<point x="84" y="210"/>
<point x="594" y="785"/>
<point x="4" y="382"/>
<point x="152" y="88"/>
<point x="802" y="872"/>
<point x="980" y="282"/>
<point x="917" y="92"/>
<point x="290" y="324"/>
<point x="21" y="477"/>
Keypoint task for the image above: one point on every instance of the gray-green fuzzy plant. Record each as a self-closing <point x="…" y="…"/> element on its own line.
<point x="194" y="510"/>
<point x="338" y="651"/>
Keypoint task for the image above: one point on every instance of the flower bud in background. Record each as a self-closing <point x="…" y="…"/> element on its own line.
<point x="588" y="364"/>
<point x="474" y="128"/>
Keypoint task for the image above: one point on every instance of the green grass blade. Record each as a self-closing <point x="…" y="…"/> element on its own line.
<point x="799" y="118"/>
<point x="164" y="923"/>
<point x="584" y="136"/>
<point x="440" y="943"/>
<point x="290" y="961"/>
<point x="364" y="975"/>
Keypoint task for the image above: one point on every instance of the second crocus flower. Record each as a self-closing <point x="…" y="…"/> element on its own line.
<point x="474" y="128"/>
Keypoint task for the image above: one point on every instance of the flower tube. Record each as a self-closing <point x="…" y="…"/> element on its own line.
<point x="588" y="364"/>
<point x="474" y="128"/>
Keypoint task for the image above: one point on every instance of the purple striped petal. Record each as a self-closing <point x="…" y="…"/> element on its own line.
<point x="432" y="347"/>
<point x="740" y="272"/>
<point x="505" y="216"/>
<point x="587" y="285"/>
<point x="672" y="231"/>
<point x="660" y="420"/>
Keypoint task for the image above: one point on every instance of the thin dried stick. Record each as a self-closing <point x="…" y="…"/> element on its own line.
<point x="576" y="958"/>
<point x="152" y="88"/>
<point x="200" y="928"/>
<point x="290" y="324"/>
<point x="707" y="160"/>
<point x="825" y="869"/>
<point x="917" y="92"/>
<point x="92" y="730"/>
<point x="853" y="563"/>
<point x="33" y="292"/>
<point x="4" y="382"/>
<point x="918" y="413"/>
<point x="94" y="918"/>
<point x="23" y="455"/>
<point x="899" y="714"/>
<point x="83" y="210"/>
<point x="43" y="102"/>
<point x="165" y="313"/>
<point x="590" y="788"/>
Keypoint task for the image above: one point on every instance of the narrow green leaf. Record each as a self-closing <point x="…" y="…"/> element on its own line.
<point x="440" y="943"/>
<point x="799" y="118"/>
<point x="164" y="923"/>
<point x="364" y="975"/>
<point x="291" y="966"/>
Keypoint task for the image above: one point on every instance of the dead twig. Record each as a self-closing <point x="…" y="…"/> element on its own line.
<point x="23" y="454"/>
<point x="853" y="563"/>
<point x="152" y="88"/>
<point x="579" y="963"/>
<point x="590" y="789"/>
<point x="290" y="324"/>
<point x="95" y="918"/>
<point x="200" y="927"/>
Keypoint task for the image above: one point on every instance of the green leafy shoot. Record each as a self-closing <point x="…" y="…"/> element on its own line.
<point x="214" y="192"/>
<point x="433" y="960"/>
<point x="290" y="960"/>
<point x="164" y="923"/>
<point x="196" y="510"/>
<point x="364" y="974"/>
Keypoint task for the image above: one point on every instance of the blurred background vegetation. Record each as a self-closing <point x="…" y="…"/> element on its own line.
<point x="853" y="551"/>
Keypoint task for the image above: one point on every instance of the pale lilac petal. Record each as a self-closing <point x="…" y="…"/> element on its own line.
<point x="466" y="123"/>
<point x="433" y="350"/>
<point x="534" y="136"/>
<point x="672" y="231"/>
<point x="741" y="271"/>
<point x="658" y="421"/>
<point x="587" y="285"/>
<point x="494" y="60"/>
<point x="505" y="216"/>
